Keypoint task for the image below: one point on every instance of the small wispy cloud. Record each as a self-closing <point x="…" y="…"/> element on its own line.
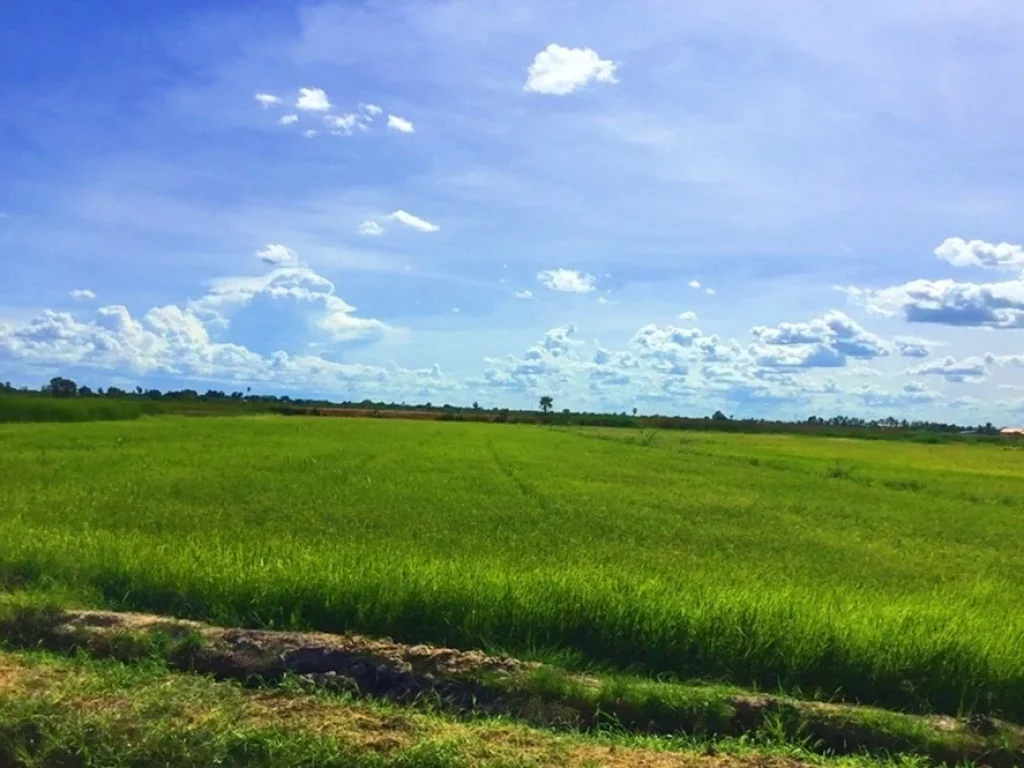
<point x="710" y="291"/>
<point x="422" y="225"/>
<point x="558" y="70"/>
<point x="688" y="316"/>
<point x="313" y="100"/>
<point x="524" y="294"/>
<point x="695" y="284"/>
<point x="567" y="280"/>
<point x="309" y="133"/>
<point x="82" y="294"/>
<point x="372" y="110"/>
<point x="267" y="99"/>
<point x="288" y="119"/>
<point x="341" y="125"/>
<point x="400" y="124"/>
<point x="371" y="229"/>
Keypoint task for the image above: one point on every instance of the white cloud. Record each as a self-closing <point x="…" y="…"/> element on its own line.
<point x="400" y="124"/>
<point x="946" y="302"/>
<point x="909" y="346"/>
<point x="558" y="70"/>
<point x="710" y="291"/>
<point x="173" y="341"/>
<point x="978" y="253"/>
<point x="823" y="342"/>
<point x="968" y="369"/>
<point x="313" y="99"/>
<point x="82" y="294"/>
<point x="422" y="225"/>
<point x="341" y="125"/>
<point x="309" y="134"/>
<point x="275" y="253"/>
<point x="267" y="99"/>
<point x="456" y="310"/>
<point x="567" y="280"/>
<point x="370" y="229"/>
<point x="695" y="284"/>
<point x="288" y="119"/>
<point x="524" y="294"/>
<point x="688" y="316"/>
<point x="372" y="110"/>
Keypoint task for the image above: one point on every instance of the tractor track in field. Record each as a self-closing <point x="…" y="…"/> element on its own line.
<point x="474" y="683"/>
<point x="526" y="489"/>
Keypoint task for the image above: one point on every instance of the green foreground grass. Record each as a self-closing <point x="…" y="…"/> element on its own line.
<point x="883" y="573"/>
<point x="60" y="711"/>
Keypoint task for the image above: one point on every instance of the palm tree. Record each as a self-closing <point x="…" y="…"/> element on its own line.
<point x="546" y="402"/>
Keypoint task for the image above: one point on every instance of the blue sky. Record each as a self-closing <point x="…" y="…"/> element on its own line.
<point x="773" y="209"/>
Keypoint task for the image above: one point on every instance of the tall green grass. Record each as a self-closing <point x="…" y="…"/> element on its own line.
<point x="743" y="558"/>
<point x="33" y="408"/>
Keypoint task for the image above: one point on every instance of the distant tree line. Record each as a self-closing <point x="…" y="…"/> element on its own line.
<point x="219" y="400"/>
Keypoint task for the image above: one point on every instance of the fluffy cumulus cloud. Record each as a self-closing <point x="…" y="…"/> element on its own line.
<point x="178" y="341"/>
<point x="400" y="124"/>
<point x="558" y="70"/>
<point x="275" y="253"/>
<point x="910" y="346"/>
<point x="662" y="364"/>
<point x="312" y="100"/>
<point x="824" y="342"/>
<point x="370" y="228"/>
<point x="299" y="284"/>
<point x="567" y="280"/>
<point x="267" y="99"/>
<point x="978" y="253"/>
<point x="695" y="284"/>
<point x="413" y="222"/>
<point x="910" y="394"/>
<point x="82" y="294"/>
<point x="947" y="302"/>
<point x="371" y="110"/>
<point x="997" y="304"/>
<point x="968" y="369"/>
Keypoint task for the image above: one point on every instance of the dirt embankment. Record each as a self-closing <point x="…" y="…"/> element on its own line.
<point x="474" y="682"/>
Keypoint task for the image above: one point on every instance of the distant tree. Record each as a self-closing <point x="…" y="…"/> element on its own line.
<point x="84" y="391"/>
<point x="115" y="392"/>
<point x="719" y="416"/>
<point x="476" y="406"/>
<point x="634" y="410"/>
<point x="138" y="390"/>
<point x="547" y="403"/>
<point x="61" y="387"/>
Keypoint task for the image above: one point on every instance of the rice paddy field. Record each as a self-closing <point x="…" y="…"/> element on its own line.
<point x="881" y="572"/>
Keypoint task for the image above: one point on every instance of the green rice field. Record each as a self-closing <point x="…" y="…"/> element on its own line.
<point x="875" y="571"/>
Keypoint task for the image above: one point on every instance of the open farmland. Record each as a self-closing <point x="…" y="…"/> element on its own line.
<point x="889" y="573"/>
